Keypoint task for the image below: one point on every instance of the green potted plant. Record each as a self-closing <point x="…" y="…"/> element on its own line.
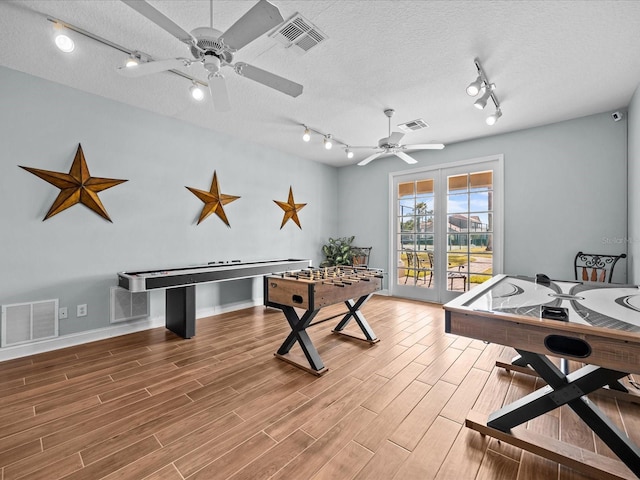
<point x="338" y="251"/>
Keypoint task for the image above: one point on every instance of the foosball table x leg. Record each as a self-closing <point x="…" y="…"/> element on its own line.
<point x="298" y="334"/>
<point x="356" y="314"/>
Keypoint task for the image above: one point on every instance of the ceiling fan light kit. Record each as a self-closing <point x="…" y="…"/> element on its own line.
<point x="482" y="84"/>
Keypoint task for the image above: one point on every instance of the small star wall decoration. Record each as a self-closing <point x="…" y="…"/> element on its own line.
<point x="291" y="209"/>
<point x="77" y="186"/>
<point x="214" y="201"/>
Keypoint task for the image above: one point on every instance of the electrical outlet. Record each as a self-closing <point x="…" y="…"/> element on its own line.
<point x="81" y="310"/>
<point x="62" y="313"/>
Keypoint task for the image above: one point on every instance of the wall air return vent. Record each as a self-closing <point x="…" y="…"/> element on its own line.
<point x="29" y="322"/>
<point x="413" y="125"/>
<point x="300" y="33"/>
<point x="126" y="305"/>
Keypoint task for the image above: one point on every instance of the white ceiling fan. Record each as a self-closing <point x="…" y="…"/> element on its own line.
<point x="215" y="49"/>
<point x="391" y="144"/>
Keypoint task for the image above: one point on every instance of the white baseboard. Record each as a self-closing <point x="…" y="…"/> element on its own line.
<point x="73" y="339"/>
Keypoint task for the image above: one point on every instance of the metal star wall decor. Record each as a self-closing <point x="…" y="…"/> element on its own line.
<point x="214" y="201"/>
<point x="77" y="186"/>
<point x="291" y="209"/>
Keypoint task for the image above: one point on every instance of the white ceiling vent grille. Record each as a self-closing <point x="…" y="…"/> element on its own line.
<point x="29" y="322"/>
<point x="300" y="33"/>
<point x="126" y="305"/>
<point x="413" y="125"/>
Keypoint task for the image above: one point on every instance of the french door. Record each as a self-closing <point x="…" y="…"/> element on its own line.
<point x="446" y="224"/>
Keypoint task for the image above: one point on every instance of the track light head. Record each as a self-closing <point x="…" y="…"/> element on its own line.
<point x="306" y="136"/>
<point x="196" y="92"/>
<point x="349" y="153"/>
<point x="493" y="118"/>
<point x="327" y="142"/>
<point x="65" y="43"/>
<point x="474" y="87"/>
<point x="482" y="101"/>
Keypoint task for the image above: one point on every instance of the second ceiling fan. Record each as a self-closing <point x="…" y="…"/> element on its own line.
<point x="215" y="49"/>
<point x="391" y="144"/>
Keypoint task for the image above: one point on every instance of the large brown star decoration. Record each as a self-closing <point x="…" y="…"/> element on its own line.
<point x="291" y="209"/>
<point x="214" y="201"/>
<point x="77" y="186"/>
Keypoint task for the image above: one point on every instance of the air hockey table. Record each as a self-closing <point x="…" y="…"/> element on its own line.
<point x="593" y="323"/>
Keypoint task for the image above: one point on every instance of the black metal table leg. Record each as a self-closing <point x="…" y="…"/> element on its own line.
<point x="298" y="334"/>
<point x="570" y="390"/>
<point x="180" y="312"/>
<point x="356" y="314"/>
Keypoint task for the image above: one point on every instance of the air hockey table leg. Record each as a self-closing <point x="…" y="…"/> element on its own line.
<point x="571" y="390"/>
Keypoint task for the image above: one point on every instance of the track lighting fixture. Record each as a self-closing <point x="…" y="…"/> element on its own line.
<point x="134" y="57"/>
<point x="482" y="84"/>
<point x="63" y="41"/>
<point x="306" y="136"/>
<point x="131" y="62"/>
<point x="196" y="92"/>
<point x="328" y="140"/>
<point x="493" y="118"/>
<point x="482" y="101"/>
<point x="474" y="87"/>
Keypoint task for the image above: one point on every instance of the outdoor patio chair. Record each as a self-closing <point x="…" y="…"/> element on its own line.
<point x="417" y="265"/>
<point x="595" y="267"/>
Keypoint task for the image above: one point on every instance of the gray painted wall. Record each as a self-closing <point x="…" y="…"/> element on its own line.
<point x="565" y="191"/>
<point x="634" y="189"/>
<point x="74" y="256"/>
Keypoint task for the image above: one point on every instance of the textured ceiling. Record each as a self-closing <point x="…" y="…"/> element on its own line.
<point x="550" y="61"/>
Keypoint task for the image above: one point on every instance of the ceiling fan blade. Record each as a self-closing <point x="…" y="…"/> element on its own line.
<point x="164" y="22"/>
<point x="261" y="18"/>
<point x="425" y="146"/>
<point x="148" y="68"/>
<point x="405" y="157"/>
<point x="219" y="94"/>
<point x="369" y="159"/>
<point x="269" y="79"/>
<point x="395" y="137"/>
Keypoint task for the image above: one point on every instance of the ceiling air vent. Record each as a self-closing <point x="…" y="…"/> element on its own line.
<point x="413" y="125"/>
<point x="300" y="33"/>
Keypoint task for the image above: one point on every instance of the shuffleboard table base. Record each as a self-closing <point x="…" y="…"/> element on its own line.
<point x="579" y="459"/>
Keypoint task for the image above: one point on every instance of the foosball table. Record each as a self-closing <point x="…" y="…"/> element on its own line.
<point x="313" y="289"/>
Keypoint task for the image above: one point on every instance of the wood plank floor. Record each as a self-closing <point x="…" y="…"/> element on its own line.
<point x="151" y="405"/>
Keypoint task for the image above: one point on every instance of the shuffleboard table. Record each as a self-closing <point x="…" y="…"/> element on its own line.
<point x="180" y="285"/>
<point x="593" y="323"/>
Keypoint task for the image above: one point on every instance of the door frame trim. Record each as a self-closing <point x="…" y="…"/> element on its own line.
<point x="498" y="265"/>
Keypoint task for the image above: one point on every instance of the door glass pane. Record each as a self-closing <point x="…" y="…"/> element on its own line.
<point x="415" y="217"/>
<point x="469" y="223"/>
<point x="458" y="203"/>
